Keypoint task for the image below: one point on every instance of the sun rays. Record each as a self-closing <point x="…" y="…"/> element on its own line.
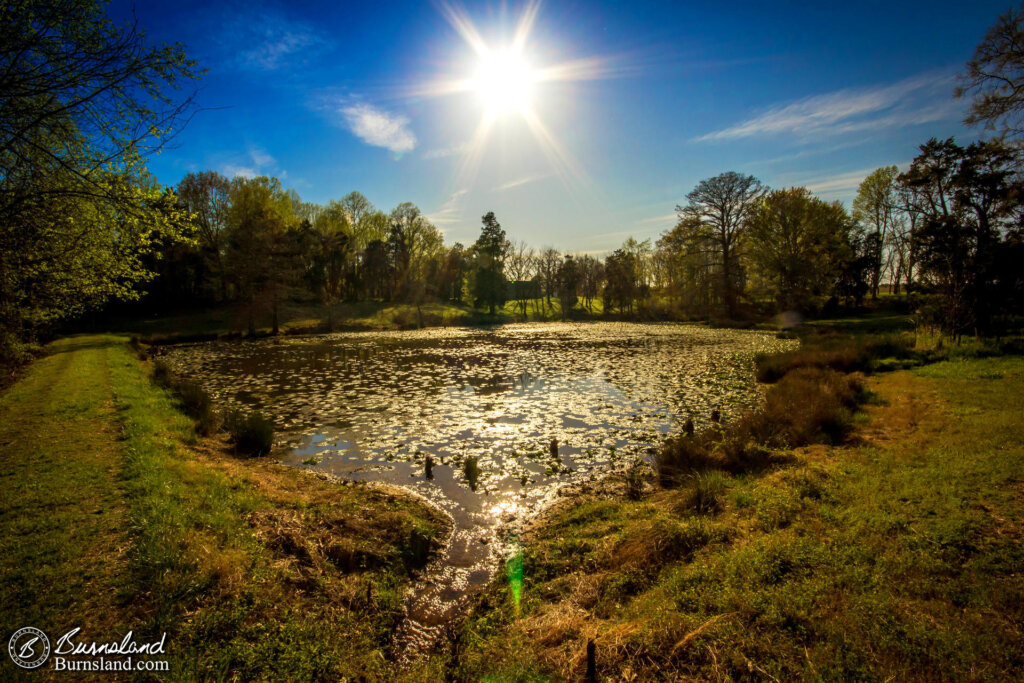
<point x="508" y="84"/>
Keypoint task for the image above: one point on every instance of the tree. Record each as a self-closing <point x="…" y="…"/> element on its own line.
<point x="548" y="262"/>
<point x="521" y="263"/>
<point x="995" y="77"/>
<point x="797" y="244"/>
<point x="969" y="199"/>
<point x="81" y="104"/>
<point x="260" y="255"/>
<point x="490" y="249"/>
<point x="205" y="196"/>
<point x="687" y="255"/>
<point x="875" y="207"/>
<point x="568" y="284"/>
<point x="723" y="204"/>
<point x="621" y="286"/>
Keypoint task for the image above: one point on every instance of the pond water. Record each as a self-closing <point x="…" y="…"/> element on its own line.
<point x="375" y="406"/>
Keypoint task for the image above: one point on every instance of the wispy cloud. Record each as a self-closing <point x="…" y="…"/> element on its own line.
<point x="379" y="128"/>
<point x="266" y="38"/>
<point x="837" y="186"/>
<point x="921" y="99"/>
<point x="449" y="212"/>
<point x="442" y="152"/>
<point x="256" y="161"/>
<point x="519" y="182"/>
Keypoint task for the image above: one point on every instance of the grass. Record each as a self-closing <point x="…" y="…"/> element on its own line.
<point x="894" y="556"/>
<point x="114" y="515"/>
<point x="298" y="317"/>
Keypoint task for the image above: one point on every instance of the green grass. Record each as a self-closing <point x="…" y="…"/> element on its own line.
<point x="898" y="558"/>
<point x="115" y="516"/>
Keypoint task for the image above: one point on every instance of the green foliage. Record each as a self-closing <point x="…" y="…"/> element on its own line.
<point x="84" y="102"/>
<point x="491" y="248"/>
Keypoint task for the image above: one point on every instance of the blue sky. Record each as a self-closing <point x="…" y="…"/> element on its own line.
<point x="335" y="96"/>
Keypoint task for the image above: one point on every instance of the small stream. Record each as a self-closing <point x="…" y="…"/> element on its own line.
<point x="375" y="406"/>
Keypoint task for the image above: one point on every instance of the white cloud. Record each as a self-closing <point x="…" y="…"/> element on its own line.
<point x="231" y="170"/>
<point x="916" y="100"/>
<point x="449" y="212"/>
<point x="257" y="162"/>
<point x="379" y="128"/>
<point x="518" y="182"/>
<point x="837" y="186"/>
<point x="443" y="152"/>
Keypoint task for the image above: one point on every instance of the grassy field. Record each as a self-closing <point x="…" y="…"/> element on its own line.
<point x="114" y="516"/>
<point x="895" y="557"/>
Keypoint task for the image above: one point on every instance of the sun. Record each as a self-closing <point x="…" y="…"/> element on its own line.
<point x="504" y="81"/>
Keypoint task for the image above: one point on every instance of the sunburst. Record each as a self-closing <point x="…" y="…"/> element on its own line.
<point x="507" y="82"/>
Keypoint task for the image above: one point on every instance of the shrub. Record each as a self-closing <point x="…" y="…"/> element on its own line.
<point x="252" y="433"/>
<point x="162" y="373"/>
<point x="635" y="480"/>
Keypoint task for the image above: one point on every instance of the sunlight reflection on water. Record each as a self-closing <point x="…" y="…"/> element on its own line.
<point x="374" y="406"/>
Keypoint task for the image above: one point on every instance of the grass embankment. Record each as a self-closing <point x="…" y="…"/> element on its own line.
<point x="115" y="516"/>
<point x="301" y="318"/>
<point x="894" y="556"/>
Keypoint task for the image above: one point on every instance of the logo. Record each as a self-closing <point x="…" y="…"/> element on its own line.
<point x="29" y="647"/>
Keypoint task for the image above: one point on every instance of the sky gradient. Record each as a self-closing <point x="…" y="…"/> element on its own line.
<point x="333" y="97"/>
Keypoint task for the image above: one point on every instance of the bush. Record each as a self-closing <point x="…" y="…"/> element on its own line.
<point x="252" y="433"/>
<point x="199" y="406"/>
<point x="162" y="375"/>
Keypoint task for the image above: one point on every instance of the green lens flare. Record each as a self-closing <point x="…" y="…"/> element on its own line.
<point x="514" y="567"/>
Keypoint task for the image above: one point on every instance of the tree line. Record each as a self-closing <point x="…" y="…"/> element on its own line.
<point x="83" y="103"/>
<point x="947" y="232"/>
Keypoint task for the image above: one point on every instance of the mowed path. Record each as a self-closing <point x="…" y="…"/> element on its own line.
<point x="62" y="515"/>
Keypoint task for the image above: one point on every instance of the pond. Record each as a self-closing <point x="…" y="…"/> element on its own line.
<point x="375" y="406"/>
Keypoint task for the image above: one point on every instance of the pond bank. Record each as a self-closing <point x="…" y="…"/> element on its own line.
<point x="113" y="516"/>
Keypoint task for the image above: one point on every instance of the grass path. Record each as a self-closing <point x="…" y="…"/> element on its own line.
<point x="62" y="514"/>
<point x="114" y="516"/>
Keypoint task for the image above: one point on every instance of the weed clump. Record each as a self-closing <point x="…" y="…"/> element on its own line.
<point x="471" y="469"/>
<point x="707" y="493"/>
<point x="252" y="433"/>
<point x="808" y="405"/>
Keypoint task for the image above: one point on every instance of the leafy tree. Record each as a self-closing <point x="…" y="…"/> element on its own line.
<point x="796" y="245"/>
<point x="723" y="204"/>
<point x="995" y="76"/>
<point x="687" y="255"/>
<point x="205" y="196"/>
<point x="490" y="249"/>
<point x="260" y="252"/>
<point x="81" y="104"/>
<point x="969" y="199"/>
<point x="875" y="207"/>
<point x="622" y="285"/>
<point x="568" y="284"/>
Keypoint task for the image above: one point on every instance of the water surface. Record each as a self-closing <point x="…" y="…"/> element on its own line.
<point x="374" y="406"/>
